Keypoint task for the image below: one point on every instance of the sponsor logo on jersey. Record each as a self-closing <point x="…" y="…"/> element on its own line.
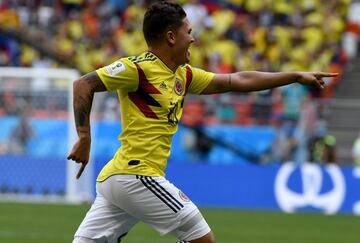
<point x="178" y="87"/>
<point x="183" y="197"/>
<point x="162" y="85"/>
<point x="115" y="68"/>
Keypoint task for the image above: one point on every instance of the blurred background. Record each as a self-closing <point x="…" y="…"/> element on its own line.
<point x="269" y="145"/>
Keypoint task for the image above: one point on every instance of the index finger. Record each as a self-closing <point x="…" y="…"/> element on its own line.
<point x="83" y="165"/>
<point x="321" y="74"/>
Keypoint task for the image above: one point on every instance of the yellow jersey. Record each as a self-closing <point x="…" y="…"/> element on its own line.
<point x="151" y="102"/>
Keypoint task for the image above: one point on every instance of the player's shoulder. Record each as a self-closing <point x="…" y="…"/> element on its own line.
<point x="188" y="68"/>
<point x="133" y="62"/>
<point x="185" y="66"/>
<point x="143" y="58"/>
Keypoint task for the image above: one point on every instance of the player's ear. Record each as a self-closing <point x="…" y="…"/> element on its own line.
<point x="170" y="37"/>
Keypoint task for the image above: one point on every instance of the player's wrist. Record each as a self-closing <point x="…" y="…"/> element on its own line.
<point x="85" y="138"/>
<point x="84" y="133"/>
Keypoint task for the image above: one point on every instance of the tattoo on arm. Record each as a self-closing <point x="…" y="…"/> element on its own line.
<point x="93" y="80"/>
<point x="84" y="89"/>
<point x="82" y="108"/>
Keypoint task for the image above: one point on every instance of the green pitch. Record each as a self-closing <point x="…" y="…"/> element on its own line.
<point x="30" y="223"/>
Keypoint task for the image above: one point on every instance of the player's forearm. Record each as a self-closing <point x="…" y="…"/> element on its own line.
<point x="84" y="89"/>
<point x="253" y="81"/>
<point x="83" y="97"/>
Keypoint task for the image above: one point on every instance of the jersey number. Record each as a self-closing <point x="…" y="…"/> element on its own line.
<point x="172" y="118"/>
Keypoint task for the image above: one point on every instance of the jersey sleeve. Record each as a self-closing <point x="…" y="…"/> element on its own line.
<point x="120" y="75"/>
<point x="200" y="80"/>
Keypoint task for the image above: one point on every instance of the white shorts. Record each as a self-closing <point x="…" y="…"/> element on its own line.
<point x="124" y="200"/>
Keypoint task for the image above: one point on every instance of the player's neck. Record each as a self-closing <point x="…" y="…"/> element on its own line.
<point x="165" y="57"/>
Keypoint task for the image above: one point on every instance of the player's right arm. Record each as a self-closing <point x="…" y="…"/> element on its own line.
<point x="83" y="95"/>
<point x="120" y="75"/>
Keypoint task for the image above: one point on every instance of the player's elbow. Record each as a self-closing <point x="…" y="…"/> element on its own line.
<point x="244" y="82"/>
<point x="241" y="82"/>
<point x="80" y="86"/>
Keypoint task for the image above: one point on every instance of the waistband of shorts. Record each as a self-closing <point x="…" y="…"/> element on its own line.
<point x="131" y="176"/>
<point x="126" y="176"/>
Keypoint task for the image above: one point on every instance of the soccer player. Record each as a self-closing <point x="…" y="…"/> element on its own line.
<point x="151" y="89"/>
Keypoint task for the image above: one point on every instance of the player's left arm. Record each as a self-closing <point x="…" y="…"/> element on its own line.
<point x="248" y="81"/>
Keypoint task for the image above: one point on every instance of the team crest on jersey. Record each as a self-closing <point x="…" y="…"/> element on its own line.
<point x="115" y="68"/>
<point x="179" y="87"/>
<point x="183" y="197"/>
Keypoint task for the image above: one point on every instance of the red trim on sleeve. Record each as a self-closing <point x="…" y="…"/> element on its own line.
<point x="189" y="76"/>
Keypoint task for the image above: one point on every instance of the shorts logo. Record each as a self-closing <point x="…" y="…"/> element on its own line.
<point x="179" y="87"/>
<point x="115" y="68"/>
<point x="183" y="197"/>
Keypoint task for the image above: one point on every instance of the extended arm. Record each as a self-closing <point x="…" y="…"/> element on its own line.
<point x="83" y="94"/>
<point x="254" y="81"/>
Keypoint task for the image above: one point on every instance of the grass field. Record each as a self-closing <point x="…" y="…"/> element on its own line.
<point x="30" y="223"/>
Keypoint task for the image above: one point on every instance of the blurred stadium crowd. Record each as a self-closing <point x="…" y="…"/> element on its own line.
<point x="231" y="35"/>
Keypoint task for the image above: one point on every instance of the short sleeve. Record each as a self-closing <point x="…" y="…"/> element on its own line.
<point x="120" y="75"/>
<point x="200" y="80"/>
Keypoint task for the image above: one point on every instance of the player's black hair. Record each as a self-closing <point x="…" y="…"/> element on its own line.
<point x="161" y="17"/>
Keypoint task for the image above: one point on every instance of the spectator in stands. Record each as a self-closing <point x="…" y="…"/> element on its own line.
<point x="237" y="31"/>
<point x="356" y="151"/>
<point x="196" y="141"/>
<point x="262" y="106"/>
<point x="4" y="57"/>
<point x="197" y="14"/>
<point x="286" y="142"/>
<point x="20" y="135"/>
<point x="9" y="103"/>
<point x="293" y="95"/>
<point x="225" y="110"/>
<point x="72" y="5"/>
<point x="323" y="148"/>
<point x="111" y="111"/>
<point x="330" y="149"/>
<point x="117" y="7"/>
